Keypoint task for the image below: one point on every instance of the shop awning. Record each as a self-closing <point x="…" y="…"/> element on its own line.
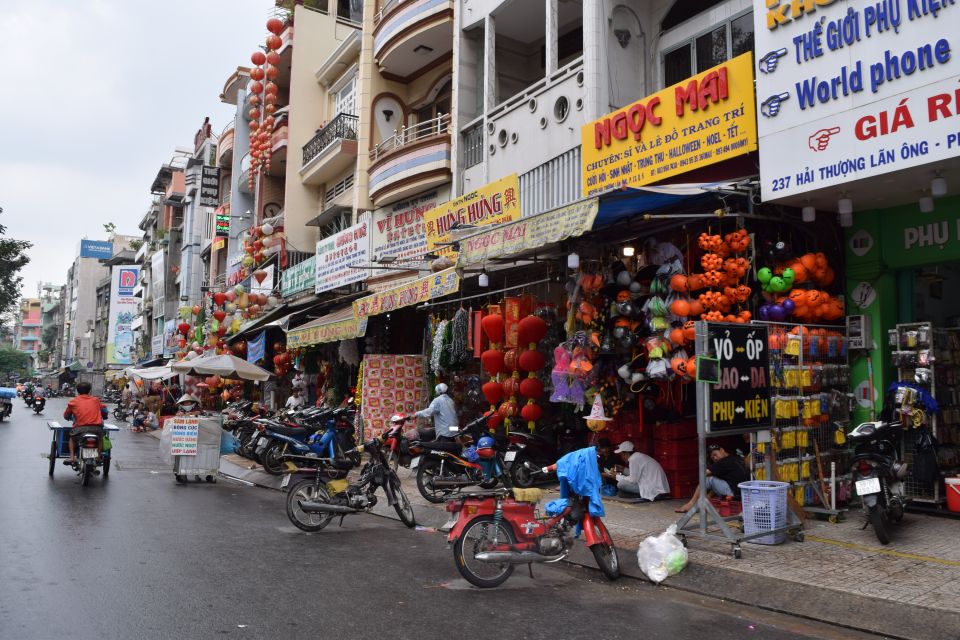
<point x="631" y="203"/>
<point x="258" y="323"/>
<point x="527" y="233"/>
<point x="435" y="285"/>
<point x="152" y="373"/>
<point x="341" y="324"/>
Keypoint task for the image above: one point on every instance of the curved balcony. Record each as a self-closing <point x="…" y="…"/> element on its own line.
<point x="411" y="36"/>
<point x="225" y="146"/>
<point x="414" y="159"/>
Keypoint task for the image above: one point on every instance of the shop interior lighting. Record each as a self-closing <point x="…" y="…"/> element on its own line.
<point x="846" y="219"/>
<point x="483" y="280"/>
<point x="938" y="186"/>
<point x="573" y="261"/>
<point x="809" y="213"/>
<point x="926" y="204"/>
<point x="845" y="206"/>
<point x="629" y="251"/>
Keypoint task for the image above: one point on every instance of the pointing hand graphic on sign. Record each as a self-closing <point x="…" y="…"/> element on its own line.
<point x="820" y="140"/>
<point x="768" y="63"/>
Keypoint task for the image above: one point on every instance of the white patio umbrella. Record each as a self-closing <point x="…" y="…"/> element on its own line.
<point x="225" y="366"/>
<point x="152" y="373"/>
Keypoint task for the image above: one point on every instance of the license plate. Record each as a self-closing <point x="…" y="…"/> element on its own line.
<point x="415" y="462"/>
<point x="510" y="456"/>
<point x="262" y="442"/>
<point x="88" y="453"/>
<point x="868" y="486"/>
<point x="285" y="481"/>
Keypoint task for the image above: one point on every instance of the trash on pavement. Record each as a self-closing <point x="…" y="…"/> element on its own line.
<point x="663" y="555"/>
<point x="427" y="529"/>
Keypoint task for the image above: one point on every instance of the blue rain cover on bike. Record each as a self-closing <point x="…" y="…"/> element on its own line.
<point x="579" y="474"/>
<point x="7" y="392"/>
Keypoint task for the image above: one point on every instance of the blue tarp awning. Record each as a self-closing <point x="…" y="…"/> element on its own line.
<point x="629" y="203"/>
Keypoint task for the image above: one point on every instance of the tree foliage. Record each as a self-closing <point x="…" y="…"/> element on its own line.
<point x="13" y="361"/>
<point x="13" y="258"/>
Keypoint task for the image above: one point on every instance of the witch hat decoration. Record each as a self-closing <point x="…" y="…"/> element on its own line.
<point x="596" y="412"/>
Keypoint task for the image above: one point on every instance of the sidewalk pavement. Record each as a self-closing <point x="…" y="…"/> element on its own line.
<point x="840" y="574"/>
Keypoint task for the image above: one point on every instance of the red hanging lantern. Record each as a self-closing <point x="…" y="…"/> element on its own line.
<point x="510" y="387"/>
<point x="270" y="88"/>
<point x="531" y="360"/>
<point x="253" y="127"/>
<point x="183" y="328"/>
<point x="272" y="73"/>
<point x="196" y="309"/>
<point x="181" y="343"/>
<point x="275" y="26"/>
<point x="221" y="330"/>
<point x="219" y="298"/>
<point x="493" y="392"/>
<point x="492" y="361"/>
<point x="219" y="315"/>
<point x="531" y="330"/>
<point x="493" y="327"/>
<point x="269" y="120"/>
<point x="254" y="114"/>
<point x="507" y="410"/>
<point x="270" y="98"/>
<point x="531" y="388"/>
<point x="274" y="42"/>
<point x="256" y="87"/>
<point x="531" y="412"/>
<point x="494" y="420"/>
<point x="257" y="73"/>
<point x="273" y="58"/>
<point x="254" y="100"/>
<point x="510" y="360"/>
<point x="258" y="58"/>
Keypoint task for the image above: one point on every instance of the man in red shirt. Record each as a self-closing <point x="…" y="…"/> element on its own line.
<point x="87" y="414"/>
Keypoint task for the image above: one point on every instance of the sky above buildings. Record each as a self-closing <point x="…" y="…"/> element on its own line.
<point x="97" y="93"/>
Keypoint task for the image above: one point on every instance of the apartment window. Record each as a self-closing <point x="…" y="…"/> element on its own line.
<point x="708" y="49"/>
<point x="439" y="106"/>
<point x="346" y="97"/>
<point x="337" y="190"/>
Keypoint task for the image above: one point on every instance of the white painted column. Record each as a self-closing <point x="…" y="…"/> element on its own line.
<point x="489" y="82"/>
<point x="593" y="85"/>
<point x="553" y="16"/>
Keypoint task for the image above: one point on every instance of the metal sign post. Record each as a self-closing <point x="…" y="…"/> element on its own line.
<point x="733" y="399"/>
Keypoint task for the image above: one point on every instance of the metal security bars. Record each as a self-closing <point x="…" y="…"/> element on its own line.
<point x="343" y="127"/>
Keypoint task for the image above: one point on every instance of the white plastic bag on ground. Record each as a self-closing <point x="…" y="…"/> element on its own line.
<point x="166" y="441"/>
<point x="663" y="555"/>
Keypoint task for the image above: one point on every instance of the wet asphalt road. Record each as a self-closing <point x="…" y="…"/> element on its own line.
<point x="139" y="556"/>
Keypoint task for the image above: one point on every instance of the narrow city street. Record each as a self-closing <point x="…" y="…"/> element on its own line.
<point x="139" y="556"/>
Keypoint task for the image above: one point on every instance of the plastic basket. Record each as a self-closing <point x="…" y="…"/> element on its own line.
<point x="764" y="509"/>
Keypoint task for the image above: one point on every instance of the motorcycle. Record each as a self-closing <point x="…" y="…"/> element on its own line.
<point x="495" y="532"/>
<point x="28" y="399"/>
<point x="878" y="474"/>
<point x="304" y="445"/>
<point x="313" y="503"/>
<point x="443" y="467"/>
<point x="7" y="394"/>
<point x="528" y="451"/>
<point x="398" y="444"/>
<point x="38" y="404"/>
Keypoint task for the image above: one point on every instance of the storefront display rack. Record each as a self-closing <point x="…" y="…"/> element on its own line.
<point x="929" y="356"/>
<point x="810" y="378"/>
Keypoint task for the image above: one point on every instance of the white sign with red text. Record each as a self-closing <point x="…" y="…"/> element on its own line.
<point x="850" y="89"/>
<point x="340" y="257"/>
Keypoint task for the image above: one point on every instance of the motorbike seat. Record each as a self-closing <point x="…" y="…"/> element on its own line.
<point x="295" y="432"/>
<point x="442" y="445"/>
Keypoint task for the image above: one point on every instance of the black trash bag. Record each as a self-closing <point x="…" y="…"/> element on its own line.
<point x="925" y="467"/>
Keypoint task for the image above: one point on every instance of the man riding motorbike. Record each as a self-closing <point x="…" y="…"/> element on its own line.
<point x="444" y="413"/>
<point x="87" y="414"/>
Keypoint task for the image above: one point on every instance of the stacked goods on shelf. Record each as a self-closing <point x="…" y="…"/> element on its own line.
<point x="811" y="378"/>
<point x="927" y="357"/>
<point x="675" y="448"/>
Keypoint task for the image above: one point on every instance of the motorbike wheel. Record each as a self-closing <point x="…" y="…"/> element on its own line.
<point x="476" y="538"/>
<point x="430" y="469"/>
<point x="273" y="459"/>
<point x="86" y="474"/>
<point x="53" y="458"/>
<point x="106" y="467"/>
<point x="519" y="474"/>
<point x="403" y="506"/>
<point x="879" y="521"/>
<point x="605" y="555"/>
<point x="307" y="491"/>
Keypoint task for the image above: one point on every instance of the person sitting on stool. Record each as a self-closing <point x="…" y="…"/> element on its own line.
<point x="724" y="474"/>
<point x="645" y="477"/>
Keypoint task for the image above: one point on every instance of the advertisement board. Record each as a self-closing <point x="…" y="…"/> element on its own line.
<point x="336" y="254"/>
<point x="700" y="121"/>
<point x="398" y="230"/>
<point x="222" y="222"/>
<point x="740" y="397"/>
<point x="299" y="277"/>
<point x="169" y="338"/>
<point x="410" y="293"/>
<point x="493" y="203"/>
<point x="158" y="277"/>
<point x="123" y="310"/>
<point x="99" y="249"/>
<point x="184" y="432"/>
<point x="210" y="187"/>
<point x="850" y="89"/>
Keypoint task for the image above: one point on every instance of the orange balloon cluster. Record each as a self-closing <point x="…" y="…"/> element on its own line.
<point x="812" y="305"/>
<point x="738" y="240"/>
<point x="812" y="267"/>
<point x="685" y="368"/>
<point x="709" y="242"/>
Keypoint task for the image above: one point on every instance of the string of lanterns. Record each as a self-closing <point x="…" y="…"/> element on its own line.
<point x="263" y="101"/>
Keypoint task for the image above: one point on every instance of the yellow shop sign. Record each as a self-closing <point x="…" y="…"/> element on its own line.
<point x="705" y="119"/>
<point x="493" y="203"/>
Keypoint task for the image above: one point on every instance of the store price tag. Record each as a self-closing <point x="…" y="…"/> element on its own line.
<point x="793" y="346"/>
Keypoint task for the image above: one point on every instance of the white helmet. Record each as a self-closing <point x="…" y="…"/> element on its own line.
<point x="440" y="389"/>
<point x="398" y="418"/>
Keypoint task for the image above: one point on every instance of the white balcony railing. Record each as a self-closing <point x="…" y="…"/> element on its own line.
<point x="408" y="135"/>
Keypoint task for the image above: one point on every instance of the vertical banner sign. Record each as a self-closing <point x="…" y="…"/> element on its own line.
<point x="850" y="89"/>
<point x="339" y="256"/>
<point x="257" y="348"/>
<point x="494" y="203"/>
<point x="184" y="432"/>
<point x="210" y="187"/>
<point x="123" y="309"/>
<point x="158" y="277"/>
<point x="222" y="226"/>
<point x="697" y="122"/>
<point x="169" y="338"/>
<point x="741" y="398"/>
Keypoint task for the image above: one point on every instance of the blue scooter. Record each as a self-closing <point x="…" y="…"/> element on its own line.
<point x="280" y="446"/>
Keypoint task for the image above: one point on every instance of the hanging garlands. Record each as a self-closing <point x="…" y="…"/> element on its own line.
<point x="531" y="331"/>
<point x="263" y="101"/>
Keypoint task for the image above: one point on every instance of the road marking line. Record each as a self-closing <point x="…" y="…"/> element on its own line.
<point x="888" y="552"/>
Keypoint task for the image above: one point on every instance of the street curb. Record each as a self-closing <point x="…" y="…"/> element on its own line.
<point x="898" y="621"/>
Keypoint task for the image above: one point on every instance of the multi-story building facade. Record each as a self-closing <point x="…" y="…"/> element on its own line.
<point x="27" y="329"/>
<point x="233" y="157"/>
<point x="50" y="312"/>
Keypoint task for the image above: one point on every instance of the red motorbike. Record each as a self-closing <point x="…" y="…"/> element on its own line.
<point x="495" y="531"/>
